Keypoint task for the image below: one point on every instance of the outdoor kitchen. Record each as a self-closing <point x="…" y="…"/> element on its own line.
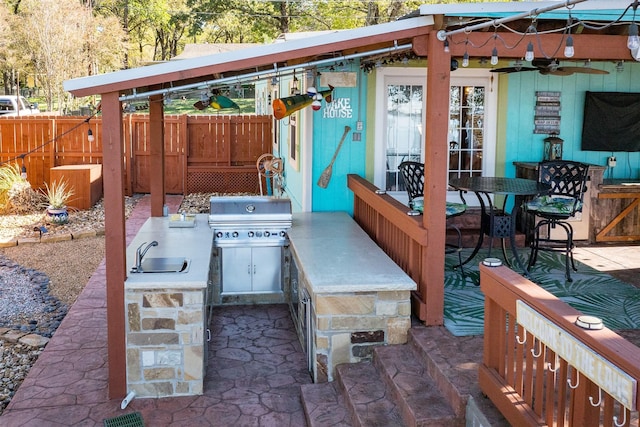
<point x="345" y="295"/>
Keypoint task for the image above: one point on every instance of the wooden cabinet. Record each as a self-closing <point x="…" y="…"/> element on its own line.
<point x="86" y="181"/>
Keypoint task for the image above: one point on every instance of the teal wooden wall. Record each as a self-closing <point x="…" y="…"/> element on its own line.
<point x="515" y="138"/>
<point x="351" y="159"/>
<point x="517" y="142"/>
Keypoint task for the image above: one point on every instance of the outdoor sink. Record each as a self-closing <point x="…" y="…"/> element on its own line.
<point x="164" y="265"/>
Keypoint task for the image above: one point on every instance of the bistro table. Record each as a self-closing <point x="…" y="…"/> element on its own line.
<point x="497" y="222"/>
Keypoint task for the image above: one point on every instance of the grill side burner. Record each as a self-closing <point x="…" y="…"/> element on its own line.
<point x="251" y="232"/>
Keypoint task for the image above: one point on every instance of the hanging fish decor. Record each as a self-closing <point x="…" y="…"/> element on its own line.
<point x="284" y="107"/>
<point x="216" y="101"/>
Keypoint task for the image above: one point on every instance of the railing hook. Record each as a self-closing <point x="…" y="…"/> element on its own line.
<point x="624" y="419"/>
<point x="596" y="404"/>
<point x="557" y="365"/>
<point x="533" y="352"/>
<point x="524" y="340"/>
<point x="577" y="381"/>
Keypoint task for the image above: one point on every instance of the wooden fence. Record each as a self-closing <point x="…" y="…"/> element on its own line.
<point x="214" y="153"/>
<point x="539" y="368"/>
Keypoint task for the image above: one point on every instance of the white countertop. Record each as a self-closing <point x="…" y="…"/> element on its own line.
<point x="337" y="256"/>
<point x="194" y="243"/>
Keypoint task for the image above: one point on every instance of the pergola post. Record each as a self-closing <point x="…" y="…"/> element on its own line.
<point x="435" y="179"/>
<point x="115" y="240"/>
<point x="156" y="151"/>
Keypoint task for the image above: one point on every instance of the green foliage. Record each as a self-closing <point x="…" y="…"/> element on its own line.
<point x="56" y="195"/>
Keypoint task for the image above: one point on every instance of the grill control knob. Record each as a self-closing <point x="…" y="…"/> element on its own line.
<point x="250" y="234"/>
<point x="219" y="234"/>
<point x="283" y="233"/>
<point x="267" y="233"/>
<point x="235" y="234"/>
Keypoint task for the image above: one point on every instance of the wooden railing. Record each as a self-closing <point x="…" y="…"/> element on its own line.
<point x="401" y="237"/>
<point x="540" y="368"/>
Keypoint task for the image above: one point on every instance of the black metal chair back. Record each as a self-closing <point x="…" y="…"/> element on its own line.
<point x="413" y="175"/>
<point x="567" y="179"/>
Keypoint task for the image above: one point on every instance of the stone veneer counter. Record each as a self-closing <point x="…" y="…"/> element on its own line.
<point x="165" y="324"/>
<point x="359" y="297"/>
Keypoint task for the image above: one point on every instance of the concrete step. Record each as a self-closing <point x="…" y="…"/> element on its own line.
<point x="324" y="405"/>
<point x="366" y="396"/>
<point x="430" y="381"/>
<point x="452" y="362"/>
<point x="416" y="394"/>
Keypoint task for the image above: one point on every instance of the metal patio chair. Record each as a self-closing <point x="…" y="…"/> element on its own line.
<point x="413" y="175"/>
<point x="568" y="180"/>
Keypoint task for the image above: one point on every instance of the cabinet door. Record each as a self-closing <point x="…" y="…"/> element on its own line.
<point x="267" y="272"/>
<point x="236" y="270"/>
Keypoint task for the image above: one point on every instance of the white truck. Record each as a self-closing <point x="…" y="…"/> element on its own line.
<point x="12" y="105"/>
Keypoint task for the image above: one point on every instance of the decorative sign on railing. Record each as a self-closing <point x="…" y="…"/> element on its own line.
<point x="599" y="370"/>
<point x="547" y="113"/>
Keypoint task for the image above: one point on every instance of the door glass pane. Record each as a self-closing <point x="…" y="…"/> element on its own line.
<point x="403" y="130"/>
<point x="466" y="130"/>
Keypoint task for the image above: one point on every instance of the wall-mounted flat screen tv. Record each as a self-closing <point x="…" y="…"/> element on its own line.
<point x="611" y="121"/>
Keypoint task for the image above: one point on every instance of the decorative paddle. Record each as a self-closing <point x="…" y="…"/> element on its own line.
<point x="323" y="181"/>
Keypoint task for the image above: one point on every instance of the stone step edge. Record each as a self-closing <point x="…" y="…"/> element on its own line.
<point x="414" y="391"/>
<point x="26" y="338"/>
<point x="45" y="238"/>
<point x="358" y="379"/>
<point x="324" y="405"/>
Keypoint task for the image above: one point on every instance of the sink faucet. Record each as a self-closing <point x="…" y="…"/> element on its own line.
<point x="140" y="252"/>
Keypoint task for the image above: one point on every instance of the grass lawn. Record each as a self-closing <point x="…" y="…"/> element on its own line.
<point x="183" y="106"/>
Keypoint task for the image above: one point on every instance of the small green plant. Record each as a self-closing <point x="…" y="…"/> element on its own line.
<point x="57" y="195"/>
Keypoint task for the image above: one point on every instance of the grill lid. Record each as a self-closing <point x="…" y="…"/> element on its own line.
<point x="249" y="211"/>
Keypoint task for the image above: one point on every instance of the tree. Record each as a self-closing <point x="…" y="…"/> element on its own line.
<point x="61" y="49"/>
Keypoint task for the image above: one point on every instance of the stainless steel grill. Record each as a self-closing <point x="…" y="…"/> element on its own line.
<point x="250" y="220"/>
<point x="251" y="234"/>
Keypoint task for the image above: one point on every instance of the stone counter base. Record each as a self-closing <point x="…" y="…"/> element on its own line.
<point x="349" y="325"/>
<point x="165" y="342"/>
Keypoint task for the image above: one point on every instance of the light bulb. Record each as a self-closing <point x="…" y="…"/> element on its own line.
<point x="568" y="49"/>
<point x="633" y="42"/>
<point x="90" y="136"/>
<point x="529" y="55"/>
<point x="446" y="46"/>
<point x="494" y="56"/>
<point x="465" y="60"/>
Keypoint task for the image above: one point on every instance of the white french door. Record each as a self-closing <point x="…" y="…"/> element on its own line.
<point x="400" y="124"/>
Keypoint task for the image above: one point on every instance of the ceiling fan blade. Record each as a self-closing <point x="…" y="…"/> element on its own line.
<point x="560" y="71"/>
<point x="585" y="70"/>
<point x="512" y="69"/>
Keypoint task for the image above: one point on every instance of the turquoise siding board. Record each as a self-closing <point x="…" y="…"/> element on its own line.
<point x="523" y="145"/>
<point x="327" y="132"/>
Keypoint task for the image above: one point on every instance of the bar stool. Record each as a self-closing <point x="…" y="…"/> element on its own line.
<point x="568" y="182"/>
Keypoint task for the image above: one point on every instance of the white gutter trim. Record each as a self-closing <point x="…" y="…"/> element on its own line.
<point x="469" y="9"/>
<point x="442" y="34"/>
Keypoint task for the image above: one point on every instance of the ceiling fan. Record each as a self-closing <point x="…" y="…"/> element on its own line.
<point x="549" y="67"/>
